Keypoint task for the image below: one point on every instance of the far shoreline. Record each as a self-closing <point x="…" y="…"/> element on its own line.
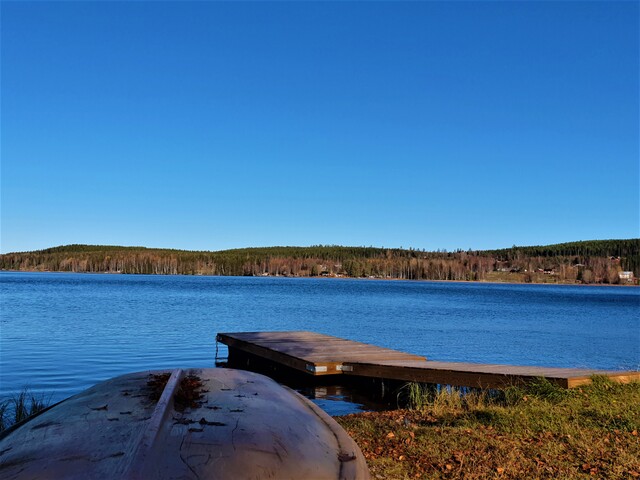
<point x="332" y="277"/>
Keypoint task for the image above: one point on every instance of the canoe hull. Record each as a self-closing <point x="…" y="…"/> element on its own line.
<point x="198" y="423"/>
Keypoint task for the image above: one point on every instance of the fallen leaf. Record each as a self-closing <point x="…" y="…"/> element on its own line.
<point x="500" y="470"/>
<point x="346" y="457"/>
<point x="391" y="435"/>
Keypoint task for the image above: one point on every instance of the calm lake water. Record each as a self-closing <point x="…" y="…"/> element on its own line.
<point x="61" y="333"/>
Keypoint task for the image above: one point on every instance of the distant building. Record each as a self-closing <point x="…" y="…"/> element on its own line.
<point x="625" y="275"/>
<point x="502" y="266"/>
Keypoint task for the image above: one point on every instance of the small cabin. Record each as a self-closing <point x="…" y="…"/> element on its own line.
<point x="625" y="275"/>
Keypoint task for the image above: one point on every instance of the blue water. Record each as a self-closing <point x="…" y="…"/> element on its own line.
<point x="61" y="332"/>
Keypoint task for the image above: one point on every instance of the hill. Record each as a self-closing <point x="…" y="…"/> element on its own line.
<point x="597" y="261"/>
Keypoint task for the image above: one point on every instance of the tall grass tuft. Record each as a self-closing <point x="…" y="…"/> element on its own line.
<point x="417" y="396"/>
<point x="20" y="407"/>
<point x="545" y="390"/>
<point x="440" y="398"/>
<point x="4" y="421"/>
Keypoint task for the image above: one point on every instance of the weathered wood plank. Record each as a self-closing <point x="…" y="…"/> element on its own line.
<point x="461" y="378"/>
<point x="480" y="375"/>
<point x="312" y="349"/>
<point x="269" y="354"/>
<point x="319" y="354"/>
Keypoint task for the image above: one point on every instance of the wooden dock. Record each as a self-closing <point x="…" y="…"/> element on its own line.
<point x="317" y="354"/>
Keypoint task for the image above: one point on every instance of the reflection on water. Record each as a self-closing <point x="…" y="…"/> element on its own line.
<point x="341" y="400"/>
<point x="337" y="395"/>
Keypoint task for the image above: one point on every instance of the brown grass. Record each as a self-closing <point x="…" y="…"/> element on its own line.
<point x="541" y="432"/>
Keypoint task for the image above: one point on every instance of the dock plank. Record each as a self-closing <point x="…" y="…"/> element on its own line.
<point x="319" y="354"/>
<point x="309" y="351"/>
<point x="480" y="375"/>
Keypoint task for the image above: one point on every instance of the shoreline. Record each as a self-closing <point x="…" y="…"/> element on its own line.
<point x="334" y="277"/>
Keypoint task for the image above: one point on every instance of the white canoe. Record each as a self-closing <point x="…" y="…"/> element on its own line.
<point x="193" y="424"/>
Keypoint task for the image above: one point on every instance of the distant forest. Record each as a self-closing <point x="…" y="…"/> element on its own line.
<point x="598" y="261"/>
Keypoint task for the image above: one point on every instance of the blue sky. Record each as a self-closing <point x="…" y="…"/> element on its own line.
<point x="210" y="125"/>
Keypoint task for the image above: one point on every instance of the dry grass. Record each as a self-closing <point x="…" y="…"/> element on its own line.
<point x="539" y="432"/>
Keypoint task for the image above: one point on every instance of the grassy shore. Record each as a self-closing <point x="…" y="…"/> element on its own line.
<point x="539" y="432"/>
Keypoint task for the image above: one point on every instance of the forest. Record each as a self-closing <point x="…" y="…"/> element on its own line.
<point x="596" y="261"/>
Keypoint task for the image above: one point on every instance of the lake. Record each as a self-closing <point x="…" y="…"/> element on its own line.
<point x="62" y="332"/>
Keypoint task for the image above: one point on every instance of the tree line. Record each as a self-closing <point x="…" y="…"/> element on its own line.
<point x="598" y="261"/>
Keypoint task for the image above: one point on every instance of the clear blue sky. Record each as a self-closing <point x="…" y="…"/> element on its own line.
<point x="204" y="125"/>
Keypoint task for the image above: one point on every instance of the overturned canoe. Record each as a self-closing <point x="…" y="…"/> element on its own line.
<point x="200" y="423"/>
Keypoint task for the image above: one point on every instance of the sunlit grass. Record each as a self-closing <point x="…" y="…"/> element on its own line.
<point x="537" y="431"/>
